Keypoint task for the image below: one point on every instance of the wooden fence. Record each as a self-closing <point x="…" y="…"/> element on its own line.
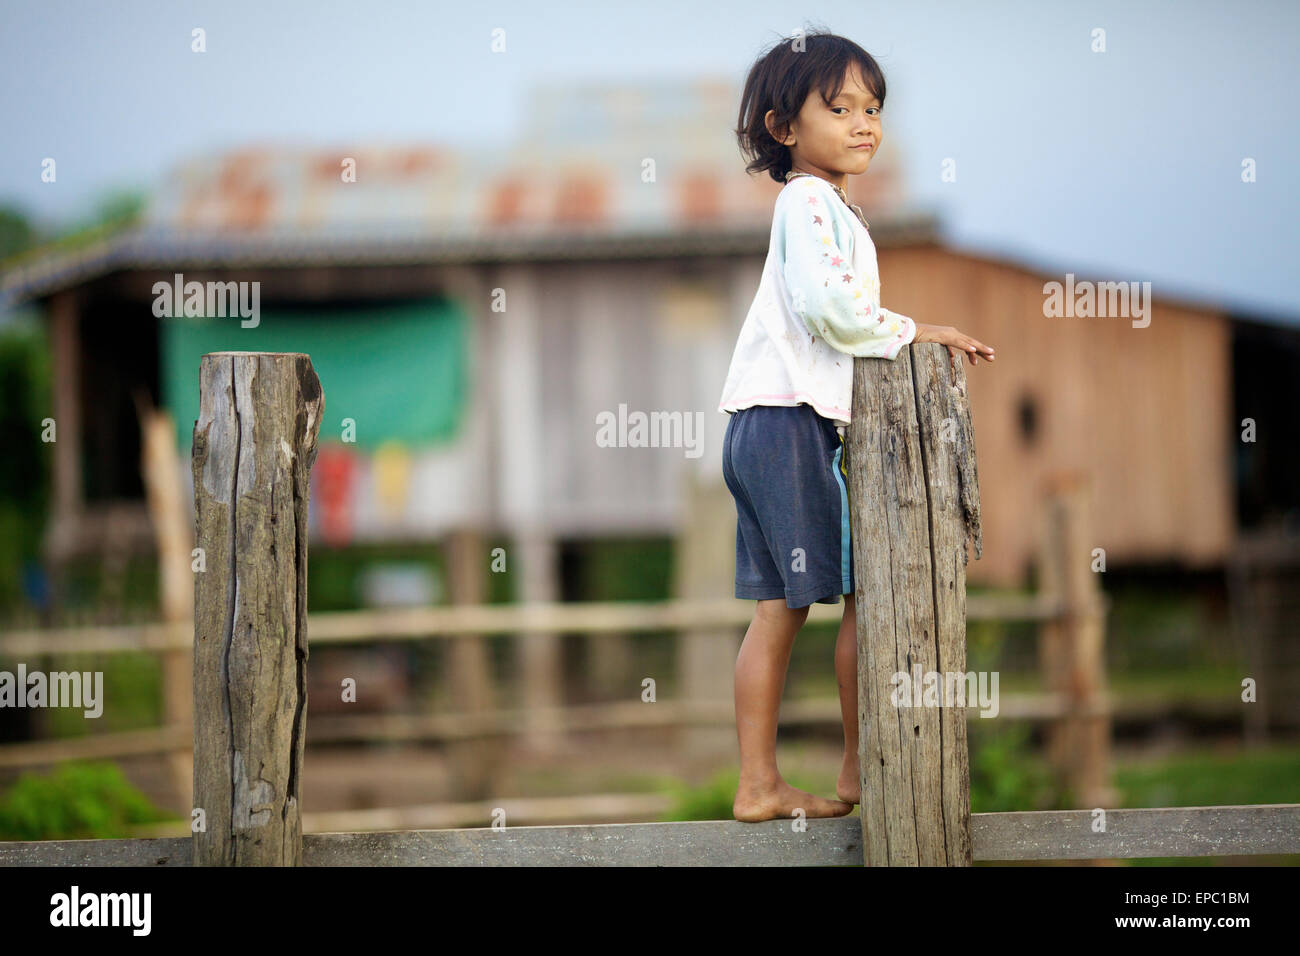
<point x="911" y="446"/>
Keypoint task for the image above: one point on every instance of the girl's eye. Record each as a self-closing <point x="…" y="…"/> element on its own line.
<point x="874" y="110"/>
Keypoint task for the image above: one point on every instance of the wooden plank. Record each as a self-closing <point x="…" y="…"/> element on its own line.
<point x="100" y="639"/>
<point x="693" y="843"/>
<point x="530" y="811"/>
<point x="127" y="743"/>
<point x="1141" y="833"/>
<point x="471" y="726"/>
<point x="254" y="444"/>
<point x="1272" y="829"/>
<point x="589" y="808"/>
<point x="155" y="851"/>
<point x="579" y="718"/>
<point x="406" y="624"/>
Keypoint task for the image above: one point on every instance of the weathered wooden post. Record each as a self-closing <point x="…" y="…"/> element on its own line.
<point x="704" y="568"/>
<point x="913" y="501"/>
<point x="254" y="445"/>
<point x="467" y="679"/>
<point x="165" y="493"/>
<point x="1072" y="646"/>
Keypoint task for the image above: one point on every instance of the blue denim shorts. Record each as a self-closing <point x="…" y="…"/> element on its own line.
<point x="785" y="467"/>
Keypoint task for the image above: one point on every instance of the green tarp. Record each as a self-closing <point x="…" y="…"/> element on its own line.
<point x="399" y="371"/>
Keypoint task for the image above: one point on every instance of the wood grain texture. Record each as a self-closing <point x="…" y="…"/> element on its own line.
<point x="254" y="445"/>
<point x="1027" y="835"/>
<point x="947" y="440"/>
<point x="913" y="503"/>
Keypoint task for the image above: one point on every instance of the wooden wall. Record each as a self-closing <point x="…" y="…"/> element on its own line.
<point x="647" y="336"/>
<point x="1145" y="412"/>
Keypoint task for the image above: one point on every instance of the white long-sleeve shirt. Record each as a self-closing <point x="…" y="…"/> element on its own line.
<point x="817" y="305"/>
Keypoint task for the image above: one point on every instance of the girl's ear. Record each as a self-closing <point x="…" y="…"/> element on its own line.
<point x="785" y="137"/>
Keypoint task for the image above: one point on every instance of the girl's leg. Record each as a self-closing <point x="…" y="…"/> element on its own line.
<point x="849" y="787"/>
<point x="760" y="679"/>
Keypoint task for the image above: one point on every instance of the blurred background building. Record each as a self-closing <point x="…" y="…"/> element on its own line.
<point x="626" y="242"/>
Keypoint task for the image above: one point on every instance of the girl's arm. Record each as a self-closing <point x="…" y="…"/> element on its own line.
<point x="825" y="290"/>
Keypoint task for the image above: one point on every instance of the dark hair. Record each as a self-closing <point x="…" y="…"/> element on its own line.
<point x="781" y="79"/>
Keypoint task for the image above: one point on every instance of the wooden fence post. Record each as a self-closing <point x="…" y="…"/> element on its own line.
<point x="164" y="491"/>
<point x="704" y="568"/>
<point x="1072" y="646"/>
<point x="913" y="501"/>
<point x="254" y="445"/>
<point x="467" y="669"/>
<point x="539" y="677"/>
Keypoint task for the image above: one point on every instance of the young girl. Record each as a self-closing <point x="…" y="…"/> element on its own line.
<point x="810" y="117"/>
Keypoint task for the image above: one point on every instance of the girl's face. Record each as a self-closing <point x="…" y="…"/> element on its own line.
<point x="837" y="139"/>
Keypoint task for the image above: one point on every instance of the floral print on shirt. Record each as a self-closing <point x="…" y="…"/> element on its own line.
<point x="834" y="301"/>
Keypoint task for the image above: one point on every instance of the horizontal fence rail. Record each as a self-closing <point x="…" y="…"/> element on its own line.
<point x="577" y="718"/>
<point x="594" y="617"/>
<point x="1026" y="836"/>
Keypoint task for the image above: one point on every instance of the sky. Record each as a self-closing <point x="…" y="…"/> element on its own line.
<point x="1124" y="164"/>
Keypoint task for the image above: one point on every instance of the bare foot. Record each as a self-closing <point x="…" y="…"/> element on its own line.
<point x="849" y="785"/>
<point x="780" y="801"/>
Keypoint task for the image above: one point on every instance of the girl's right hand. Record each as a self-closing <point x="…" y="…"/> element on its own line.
<point x="955" y="340"/>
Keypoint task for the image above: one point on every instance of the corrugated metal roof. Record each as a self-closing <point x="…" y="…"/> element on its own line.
<point x="597" y="170"/>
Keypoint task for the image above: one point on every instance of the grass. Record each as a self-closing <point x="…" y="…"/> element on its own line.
<point x="1211" y="778"/>
<point x="78" y="801"/>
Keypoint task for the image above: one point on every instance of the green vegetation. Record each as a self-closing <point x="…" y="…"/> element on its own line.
<point x="25" y="464"/>
<point x="16" y="233"/>
<point x="131" y="690"/>
<point x="1006" y="774"/>
<point x="1211" y="778"/>
<point x="20" y="244"/>
<point x="1006" y="771"/>
<point x="76" y="802"/>
<point x="625" y="570"/>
